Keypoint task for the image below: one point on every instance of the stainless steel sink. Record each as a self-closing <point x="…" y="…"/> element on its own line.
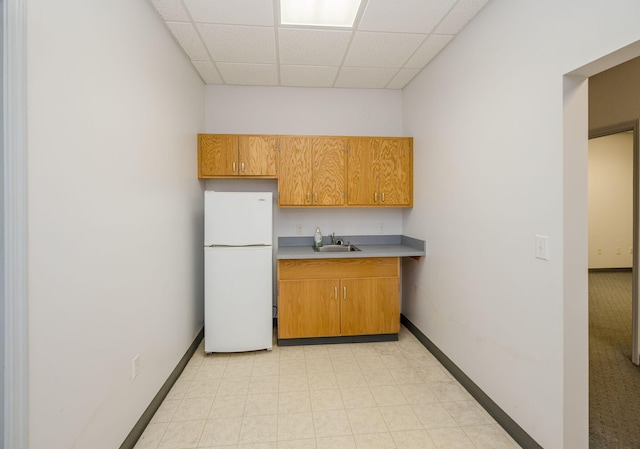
<point x="336" y="249"/>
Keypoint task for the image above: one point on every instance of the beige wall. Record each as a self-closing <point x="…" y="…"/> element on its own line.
<point x="614" y="95"/>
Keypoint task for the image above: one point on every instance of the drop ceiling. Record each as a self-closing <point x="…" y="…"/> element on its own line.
<point x="241" y="42"/>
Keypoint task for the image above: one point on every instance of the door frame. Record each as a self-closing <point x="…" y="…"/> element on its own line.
<point x="635" y="309"/>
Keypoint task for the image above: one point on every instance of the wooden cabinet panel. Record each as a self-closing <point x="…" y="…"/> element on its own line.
<point x="380" y="172"/>
<point x="295" y="171"/>
<point x="370" y="306"/>
<point x="218" y="155"/>
<point x="329" y="161"/>
<point x="257" y="155"/>
<point x="308" y="308"/>
<point x="338" y="297"/>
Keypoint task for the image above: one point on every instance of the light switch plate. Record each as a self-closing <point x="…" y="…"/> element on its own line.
<point x="542" y="247"/>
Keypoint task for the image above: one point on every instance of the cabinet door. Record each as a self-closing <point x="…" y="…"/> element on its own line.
<point x="362" y="178"/>
<point x="329" y="163"/>
<point x="257" y="156"/>
<point x="218" y="155"/>
<point x="395" y="172"/>
<point x="370" y="306"/>
<point x="295" y="171"/>
<point x="308" y="308"/>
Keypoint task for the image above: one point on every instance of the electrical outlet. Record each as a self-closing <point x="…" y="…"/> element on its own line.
<point x="135" y="366"/>
<point x="380" y="228"/>
<point x="298" y="229"/>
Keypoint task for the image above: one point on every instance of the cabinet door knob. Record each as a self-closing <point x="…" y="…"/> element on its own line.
<point x="375" y="197"/>
<point x="344" y="292"/>
<point x="308" y="197"/>
<point x="382" y="196"/>
<point x="242" y="169"/>
<point x="315" y="195"/>
<point x="335" y="292"/>
<point x="233" y="167"/>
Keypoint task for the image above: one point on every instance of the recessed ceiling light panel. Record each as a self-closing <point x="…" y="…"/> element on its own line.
<point x="329" y="13"/>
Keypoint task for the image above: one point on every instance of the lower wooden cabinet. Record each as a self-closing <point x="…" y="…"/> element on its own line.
<point x="338" y="297"/>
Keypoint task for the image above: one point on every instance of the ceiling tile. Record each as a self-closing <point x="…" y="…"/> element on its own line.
<point x="312" y="47"/>
<point x="307" y="76"/>
<point x="407" y="16"/>
<point x="402" y="78"/>
<point x="460" y="16"/>
<point x="189" y="40"/>
<point x="428" y="50"/>
<point x="242" y="44"/>
<point x="235" y="12"/>
<point x="208" y="72"/>
<point x="249" y="74"/>
<point x="382" y="49"/>
<point x="171" y="10"/>
<point x="365" y="77"/>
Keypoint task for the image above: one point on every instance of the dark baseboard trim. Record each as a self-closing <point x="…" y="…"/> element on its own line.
<point x="504" y="420"/>
<point x="333" y="340"/>
<point x="144" y="420"/>
<point x="605" y="270"/>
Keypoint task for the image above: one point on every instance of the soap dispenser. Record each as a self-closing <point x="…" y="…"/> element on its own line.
<point x="317" y="238"/>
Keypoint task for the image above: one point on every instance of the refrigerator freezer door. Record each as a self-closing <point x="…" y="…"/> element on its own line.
<point x="238" y="218"/>
<point x="238" y="299"/>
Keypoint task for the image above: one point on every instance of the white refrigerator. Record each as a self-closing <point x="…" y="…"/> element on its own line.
<point x="238" y="264"/>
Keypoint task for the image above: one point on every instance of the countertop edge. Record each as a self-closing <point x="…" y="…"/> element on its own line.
<point x="370" y="246"/>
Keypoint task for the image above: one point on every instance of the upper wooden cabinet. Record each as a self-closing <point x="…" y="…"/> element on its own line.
<point x="228" y="156"/>
<point x="312" y="171"/>
<point x="380" y="172"/>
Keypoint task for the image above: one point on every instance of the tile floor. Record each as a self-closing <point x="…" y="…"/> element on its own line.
<point x="346" y="396"/>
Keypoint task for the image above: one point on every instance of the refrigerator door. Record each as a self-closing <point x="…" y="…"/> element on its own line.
<point x="238" y="218"/>
<point x="238" y="299"/>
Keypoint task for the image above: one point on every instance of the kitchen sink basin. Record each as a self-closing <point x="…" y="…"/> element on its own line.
<point x="336" y="248"/>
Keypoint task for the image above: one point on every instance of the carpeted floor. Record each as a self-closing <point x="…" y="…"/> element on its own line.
<point x="614" y="382"/>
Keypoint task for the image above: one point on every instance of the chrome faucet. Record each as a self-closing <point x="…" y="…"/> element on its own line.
<point x="333" y="238"/>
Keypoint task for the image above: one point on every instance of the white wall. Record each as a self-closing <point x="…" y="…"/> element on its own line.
<point x="487" y="120"/>
<point x="115" y="213"/>
<point x="306" y="111"/>
<point x="611" y="201"/>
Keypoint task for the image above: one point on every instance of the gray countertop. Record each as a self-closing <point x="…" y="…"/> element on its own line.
<point x="370" y="246"/>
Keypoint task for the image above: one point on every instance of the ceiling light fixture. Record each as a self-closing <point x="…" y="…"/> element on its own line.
<point x="328" y="13"/>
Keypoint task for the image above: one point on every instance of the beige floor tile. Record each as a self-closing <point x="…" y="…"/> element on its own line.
<point x="297" y="444"/>
<point x="210" y="371"/>
<point x="351" y="379"/>
<point x="202" y="388"/>
<point x="239" y="385"/>
<point x="362" y="349"/>
<point x="264" y="384"/>
<point x="240" y="369"/>
<point x="166" y="410"/>
<point x="449" y="391"/>
<point x="189" y="372"/>
<point x="400" y="417"/>
<point x="468" y="413"/>
<point x="291" y="352"/>
<point x="293" y="382"/>
<point x="406" y="375"/>
<point x="395" y="361"/>
<point x="357" y="397"/>
<point x="413" y="439"/>
<point x="216" y="359"/>
<point x="152" y="436"/>
<point x="432" y="373"/>
<point x="345" y="442"/>
<point x="489" y="437"/>
<point x="451" y="438"/>
<point x="418" y="394"/>
<point x="339" y="351"/>
<point x="370" y="362"/>
<point x="220" y="432"/>
<point x="294" y="402"/>
<point x="182" y="434"/>
<point x="319" y="365"/>
<point x="261" y="404"/>
<point x="344" y="364"/>
<point x="293" y="366"/>
<point x="423" y="359"/>
<point x="388" y="395"/>
<point x="331" y="423"/>
<point x="193" y="408"/>
<point x="330" y="399"/>
<point x="178" y="390"/>
<point x="259" y="429"/>
<point x="379" y="377"/>
<point x="385" y="347"/>
<point x="295" y="426"/>
<point x="228" y="406"/>
<point x="266" y="368"/>
<point x="242" y="357"/>
<point x="434" y="415"/>
<point x="366" y="420"/>
<point x="374" y="441"/>
<point x="316" y="351"/>
<point x="322" y="381"/>
<point x="269" y="445"/>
